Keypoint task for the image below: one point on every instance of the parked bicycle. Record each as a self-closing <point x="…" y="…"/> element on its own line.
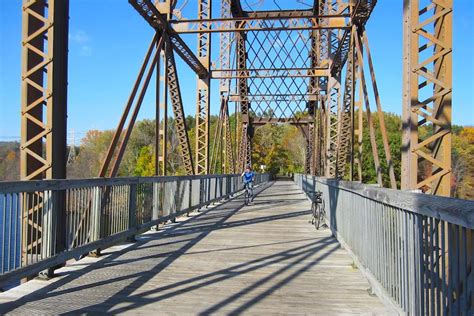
<point x="317" y="209"/>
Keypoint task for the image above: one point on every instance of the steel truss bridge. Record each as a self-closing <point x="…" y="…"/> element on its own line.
<point x="311" y="68"/>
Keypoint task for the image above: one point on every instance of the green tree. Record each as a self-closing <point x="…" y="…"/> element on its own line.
<point x="145" y="166"/>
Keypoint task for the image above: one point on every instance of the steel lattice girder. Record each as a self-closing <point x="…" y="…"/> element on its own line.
<point x="229" y="153"/>
<point x="177" y="105"/>
<point x="225" y="46"/>
<point x="345" y="128"/>
<point x="268" y="23"/>
<point x="153" y="16"/>
<point x="427" y="95"/>
<point x="309" y="156"/>
<point x="45" y="31"/>
<point x="44" y="52"/>
<point x="270" y="73"/>
<point x="332" y="126"/>
<point x="244" y="153"/>
<point x="203" y="93"/>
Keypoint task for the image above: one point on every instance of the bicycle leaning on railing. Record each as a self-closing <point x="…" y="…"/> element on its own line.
<point x="317" y="209"/>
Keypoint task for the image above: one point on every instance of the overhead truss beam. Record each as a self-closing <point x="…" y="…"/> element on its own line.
<point x="270" y="73"/>
<point x="259" y="24"/>
<point x="154" y="17"/>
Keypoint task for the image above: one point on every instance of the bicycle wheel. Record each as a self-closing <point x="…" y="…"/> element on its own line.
<point x="321" y="215"/>
<point x="316" y="216"/>
<point x="323" y="212"/>
<point x="313" y="213"/>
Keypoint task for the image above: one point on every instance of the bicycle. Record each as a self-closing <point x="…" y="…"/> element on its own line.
<point x="317" y="209"/>
<point x="248" y="193"/>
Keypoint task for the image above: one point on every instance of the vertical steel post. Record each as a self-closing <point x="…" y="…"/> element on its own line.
<point x="157" y="115"/>
<point x="45" y="46"/>
<point x="203" y="92"/>
<point x="164" y="107"/>
<point x="427" y="93"/>
<point x="45" y="42"/>
<point x="244" y="153"/>
<point x="345" y="128"/>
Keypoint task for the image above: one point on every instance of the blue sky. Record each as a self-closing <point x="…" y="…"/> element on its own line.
<point x="108" y="40"/>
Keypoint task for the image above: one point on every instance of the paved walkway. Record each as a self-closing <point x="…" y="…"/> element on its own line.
<point x="230" y="259"/>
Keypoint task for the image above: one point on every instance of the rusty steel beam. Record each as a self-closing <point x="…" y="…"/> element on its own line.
<point x="178" y="111"/>
<point x="271" y="120"/>
<point x="119" y="130"/>
<point x="332" y="118"/>
<point x="163" y="128"/>
<point x="128" y="132"/>
<point x="270" y="73"/>
<point x="43" y="148"/>
<point x="290" y="97"/>
<point x="236" y="8"/>
<point x="244" y="153"/>
<point x="345" y="128"/>
<point x="373" y="142"/>
<point x="154" y="17"/>
<point x="309" y="153"/>
<point x="360" y="14"/>
<point x="358" y="129"/>
<point x="225" y="47"/>
<point x="203" y="92"/>
<point x="229" y="153"/>
<point x="383" y="129"/>
<point x="44" y="52"/>
<point x="282" y="23"/>
<point x="427" y="95"/>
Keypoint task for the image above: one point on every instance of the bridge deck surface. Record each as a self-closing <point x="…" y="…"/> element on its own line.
<point x="260" y="259"/>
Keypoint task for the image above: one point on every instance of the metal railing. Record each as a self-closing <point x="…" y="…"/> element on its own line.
<point x="416" y="250"/>
<point x="45" y="223"/>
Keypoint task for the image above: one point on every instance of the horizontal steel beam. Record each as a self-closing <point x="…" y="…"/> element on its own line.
<point x="257" y="121"/>
<point x="269" y="73"/>
<point x="274" y="97"/>
<point x="270" y="23"/>
<point x="154" y="17"/>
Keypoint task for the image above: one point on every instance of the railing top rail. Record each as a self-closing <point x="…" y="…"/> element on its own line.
<point x="452" y="210"/>
<point x="63" y="184"/>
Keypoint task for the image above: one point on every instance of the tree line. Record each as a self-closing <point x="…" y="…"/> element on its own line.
<point x="280" y="148"/>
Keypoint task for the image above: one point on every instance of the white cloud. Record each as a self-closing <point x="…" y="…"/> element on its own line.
<point x="79" y="37"/>
<point x="85" y="51"/>
<point x="81" y="43"/>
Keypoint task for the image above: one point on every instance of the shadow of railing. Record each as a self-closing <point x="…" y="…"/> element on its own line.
<point x="415" y="249"/>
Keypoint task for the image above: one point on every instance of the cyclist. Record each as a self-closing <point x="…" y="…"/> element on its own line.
<point x="248" y="177"/>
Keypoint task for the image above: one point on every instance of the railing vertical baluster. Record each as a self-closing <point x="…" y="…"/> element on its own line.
<point x="96" y="216"/>
<point x="462" y="287"/>
<point x="455" y="264"/>
<point x="132" y="206"/>
<point x="3" y="226"/>
<point x="156" y="202"/>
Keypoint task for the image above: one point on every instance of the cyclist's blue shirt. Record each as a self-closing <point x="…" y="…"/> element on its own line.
<point x="248" y="176"/>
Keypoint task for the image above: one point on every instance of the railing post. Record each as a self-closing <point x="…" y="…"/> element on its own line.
<point x="48" y="230"/>
<point x="96" y="218"/>
<point x="132" y="209"/>
<point x="156" y="203"/>
<point x="53" y="228"/>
